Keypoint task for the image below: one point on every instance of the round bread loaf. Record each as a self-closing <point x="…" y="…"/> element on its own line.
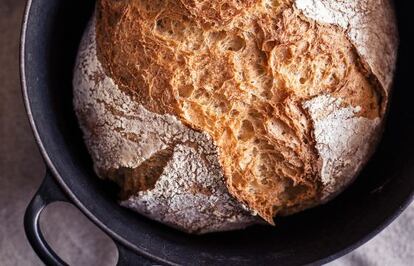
<point x="215" y="115"/>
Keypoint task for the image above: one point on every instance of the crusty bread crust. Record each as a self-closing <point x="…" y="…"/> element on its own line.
<point x="252" y="75"/>
<point x="209" y="112"/>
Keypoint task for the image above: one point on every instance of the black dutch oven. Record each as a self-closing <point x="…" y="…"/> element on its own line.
<point x="50" y="37"/>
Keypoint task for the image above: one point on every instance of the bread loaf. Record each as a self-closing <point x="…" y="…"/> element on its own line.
<point x="213" y="115"/>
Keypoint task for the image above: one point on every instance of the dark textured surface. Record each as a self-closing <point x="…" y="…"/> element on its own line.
<point x="22" y="169"/>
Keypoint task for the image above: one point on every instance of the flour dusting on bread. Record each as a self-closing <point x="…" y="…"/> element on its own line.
<point x="343" y="140"/>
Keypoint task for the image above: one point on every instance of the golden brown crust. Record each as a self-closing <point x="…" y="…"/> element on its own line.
<point x="239" y="71"/>
<point x="215" y="13"/>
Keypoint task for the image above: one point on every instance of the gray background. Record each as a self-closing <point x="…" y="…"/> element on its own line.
<point x="69" y="232"/>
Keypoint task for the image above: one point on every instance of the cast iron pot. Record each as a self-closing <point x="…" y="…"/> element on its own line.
<point x="50" y="38"/>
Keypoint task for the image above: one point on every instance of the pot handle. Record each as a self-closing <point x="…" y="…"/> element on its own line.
<point x="50" y="192"/>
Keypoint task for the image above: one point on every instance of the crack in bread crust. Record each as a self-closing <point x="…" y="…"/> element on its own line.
<point x="241" y="72"/>
<point x="369" y="24"/>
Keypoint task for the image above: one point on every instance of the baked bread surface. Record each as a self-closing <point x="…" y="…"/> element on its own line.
<point x="202" y="110"/>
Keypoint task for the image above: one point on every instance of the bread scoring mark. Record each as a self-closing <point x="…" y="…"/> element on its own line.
<point x="142" y="178"/>
<point x="164" y="167"/>
<point x="242" y="79"/>
<point x="369" y="24"/>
